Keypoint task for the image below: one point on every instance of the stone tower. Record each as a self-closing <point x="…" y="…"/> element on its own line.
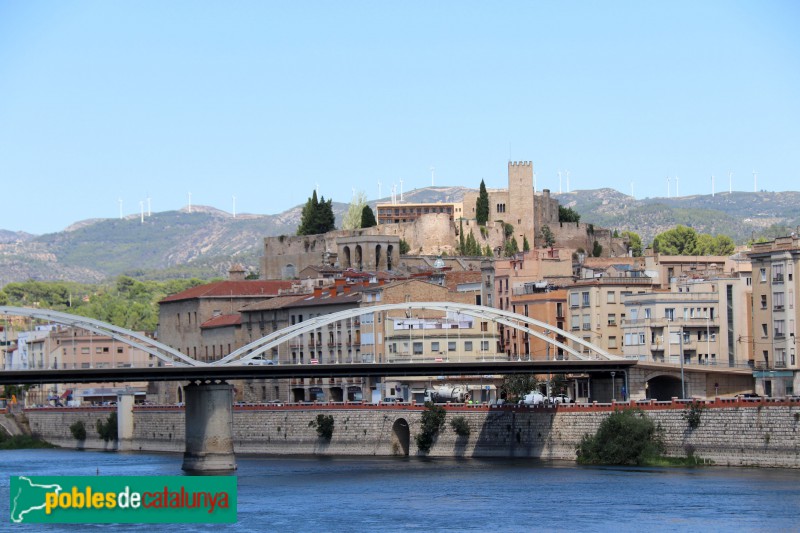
<point x="520" y="201"/>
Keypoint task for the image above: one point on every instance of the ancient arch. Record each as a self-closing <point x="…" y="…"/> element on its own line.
<point x="401" y="436"/>
<point x="378" y="258"/>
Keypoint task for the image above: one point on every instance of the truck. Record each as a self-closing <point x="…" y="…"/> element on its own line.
<point x="447" y="393"/>
<point x="532" y="398"/>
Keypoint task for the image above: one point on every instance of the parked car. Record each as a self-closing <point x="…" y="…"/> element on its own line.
<point x="560" y="398"/>
<point x="393" y="399"/>
<point x="532" y="398"/>
<point x="748" y="395"/>
<point x="258" y="361"/>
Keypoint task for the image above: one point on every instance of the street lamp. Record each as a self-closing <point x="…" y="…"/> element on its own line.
<point x="547" y="348"/>
<point x="613" y="383"/>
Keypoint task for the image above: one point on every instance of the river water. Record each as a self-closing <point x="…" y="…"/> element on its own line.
<point x="411" y="494"/>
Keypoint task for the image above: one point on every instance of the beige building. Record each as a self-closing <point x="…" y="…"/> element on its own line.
<point x="776" y="265"/>
<point x="706" y="321"/>
<point x="394" y="213"/>
<point x="596" y="308"/>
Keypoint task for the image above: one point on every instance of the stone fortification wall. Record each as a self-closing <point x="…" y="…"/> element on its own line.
<point x="573" y="236"/>
<point x="53" y="426"/>
<point x="730" y="433"/>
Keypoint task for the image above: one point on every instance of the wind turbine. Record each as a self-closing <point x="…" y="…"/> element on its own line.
<point x="234" y="206"/>
<point x="432" y="176"/>
<point x="379" y="190"/>
<point x="141" y="210"/>
<point x="668" y="183"/>
<point x="190" y="202"/>
<point x="148" y="205"/>
<point x="401" y="189"/>
<point x="632" y="196"/>
<point x="712" y="185"/>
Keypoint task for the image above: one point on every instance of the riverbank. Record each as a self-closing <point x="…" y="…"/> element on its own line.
<point x="728" y="433"/>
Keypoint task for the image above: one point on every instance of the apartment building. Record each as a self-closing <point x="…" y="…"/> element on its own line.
<point x="705" y="320"/>
<point x="776" y="266"/>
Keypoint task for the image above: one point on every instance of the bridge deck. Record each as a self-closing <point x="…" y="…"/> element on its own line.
<point x="206" y="373"/>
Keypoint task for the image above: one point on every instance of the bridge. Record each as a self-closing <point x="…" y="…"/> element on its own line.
<point x="209" y="442"/>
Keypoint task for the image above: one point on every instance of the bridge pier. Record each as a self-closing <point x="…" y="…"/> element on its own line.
<point x="209" y="427"/>
<point x="125" y="402"/>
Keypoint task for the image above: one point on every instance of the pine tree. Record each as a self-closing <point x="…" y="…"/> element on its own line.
<point x="368" y="218"/>
<point x="317" y="216"/>
<point x="526" y="247"/>
<point x="482" y="206"/>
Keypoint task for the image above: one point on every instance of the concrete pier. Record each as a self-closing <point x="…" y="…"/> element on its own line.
<point x="125" y="403"/>
<point x="209" y="428"/>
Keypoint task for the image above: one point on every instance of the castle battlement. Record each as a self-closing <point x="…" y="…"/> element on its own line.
<point x="520" y="163"/>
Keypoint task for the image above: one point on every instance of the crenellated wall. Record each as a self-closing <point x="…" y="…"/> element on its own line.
<point x="730" y="433"/>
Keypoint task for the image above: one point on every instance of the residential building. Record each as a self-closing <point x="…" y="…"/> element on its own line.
<point x="776" y="265"/>
<point x="393" y="213"/>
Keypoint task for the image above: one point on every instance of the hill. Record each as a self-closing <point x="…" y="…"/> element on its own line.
<point x="206" y="241"/>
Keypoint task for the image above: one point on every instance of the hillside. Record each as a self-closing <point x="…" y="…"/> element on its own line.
<point x="204" y="242"/>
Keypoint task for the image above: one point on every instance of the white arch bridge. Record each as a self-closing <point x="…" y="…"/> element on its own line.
<point x="308" y="334"/>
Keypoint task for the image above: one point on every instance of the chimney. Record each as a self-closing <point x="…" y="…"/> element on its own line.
<point x="236" y="273"/>
<point x="317" y="292"/>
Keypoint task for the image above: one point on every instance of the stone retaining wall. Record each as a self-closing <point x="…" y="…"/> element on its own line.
<point x="738" y="434"/>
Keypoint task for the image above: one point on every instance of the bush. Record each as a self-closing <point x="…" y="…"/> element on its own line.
<point x="626" y="437"/>
<point x="693" y="413"/>
<point x="324" y="425"/>
<point x="432" y="421"/>
<point x="460" y="426"/>
<point x="108" y="429"/>
<point x="78" y="430"/>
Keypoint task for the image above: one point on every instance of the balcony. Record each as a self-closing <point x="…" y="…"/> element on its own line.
<point x="777" y="308"/>
<point x="777" y="278"/>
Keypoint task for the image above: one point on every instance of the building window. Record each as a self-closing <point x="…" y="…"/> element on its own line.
<point x="764" y="330"/>
<point x="467" y="346"/>
<point x="777" y="300"/>
<point x="669" y="313"/>
<point x="434" y="346"/>
<point x="611" y="298"/>
<point x="587" y="322"/>
<point x="763" y="301"/>
<point x="575" y="322"/>
<point x="484" y="346"/>
<point x="612" y="343"/>
<point x="612" y="319"/>
<point x="780" y="330"/>
<point x="484" y="326"/>
<point x="763" y="273"/>
<point x="585" y="299"/>
<point x="777" y="273"/>
<point x="647" y="312"/>
<point x="417" y="348"/>
<point x="573" y="299"/>
<point x="451" y="346"/>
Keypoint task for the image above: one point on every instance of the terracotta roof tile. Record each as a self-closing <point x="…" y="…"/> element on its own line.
<point x="222" y="321"/>
<point x="229" y="288"/>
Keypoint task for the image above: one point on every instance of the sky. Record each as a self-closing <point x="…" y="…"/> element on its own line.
<point x="266" y="101"/>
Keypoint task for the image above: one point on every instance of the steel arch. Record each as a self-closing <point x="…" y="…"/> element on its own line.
<point x="514" y="320"/>
<point x="161" y="351"/>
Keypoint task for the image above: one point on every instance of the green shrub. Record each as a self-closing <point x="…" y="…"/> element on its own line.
<point x="108" y="429"/>
<point x="324" y="425"/>
<point x="432" y="421"/>
<point x="693" y="413"/>
<point x="78" y="430"/>
<point x="460" y="426"/>
<point x="626" y="437"/>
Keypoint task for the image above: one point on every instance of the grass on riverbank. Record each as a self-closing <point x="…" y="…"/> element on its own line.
<point x="20" y="442"/>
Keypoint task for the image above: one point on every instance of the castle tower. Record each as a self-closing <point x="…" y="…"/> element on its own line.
<point x="520" y="200"/>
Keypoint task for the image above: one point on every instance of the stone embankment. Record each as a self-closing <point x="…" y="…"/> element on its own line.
<point x="730" y="432"/>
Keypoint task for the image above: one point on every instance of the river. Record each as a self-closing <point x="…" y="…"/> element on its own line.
<point x="412" y="494"/>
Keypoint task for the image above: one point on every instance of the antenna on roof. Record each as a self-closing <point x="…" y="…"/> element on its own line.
<point x="120" y="208"/>
<point x="234" y="206"/>
<point x="433" y="180"/>
<point x="730" y="182"/>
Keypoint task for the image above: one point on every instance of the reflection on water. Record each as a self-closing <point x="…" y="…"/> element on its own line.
<point x="408" y="494"/>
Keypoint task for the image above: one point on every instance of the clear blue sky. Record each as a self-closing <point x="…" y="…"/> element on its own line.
<point x="263" y="100"/>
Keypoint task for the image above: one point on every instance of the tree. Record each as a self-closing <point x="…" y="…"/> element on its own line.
<point x="404" y="247"/>
<point x="488" y="251"/>
<point x="626" y="437"/>
<point x="368" y="217"/>
<point x="511" y="247"/>
<point x="597" y="250"/>
<point x="567" y="214"/>
<point x="677" y="241"/>
<point x="352" y="219"/>
<point x="547" y="236"/>
<point x="317" y="216"/>
<point x="482" y="206"/>
<point x="526" y="246"/>
<point x="432" y="421"/>
<point x="633" y="242"/>
<point x="516" y="386"/>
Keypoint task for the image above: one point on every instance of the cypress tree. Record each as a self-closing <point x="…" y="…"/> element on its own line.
<point x="368" y="217"/>
<point x="482" y="206"/>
